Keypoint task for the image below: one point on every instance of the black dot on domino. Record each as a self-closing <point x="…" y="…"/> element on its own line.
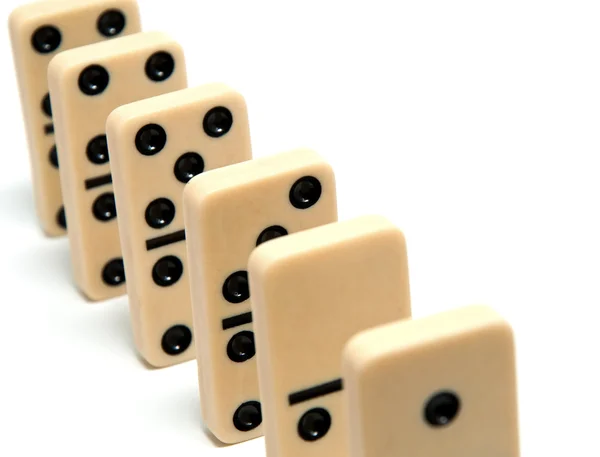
<point x="235" y="287"/>
<point x="160" y="66"/>
<point x="441" y="409"/>
<point x="187" y="166"/>
<point x="176" y="340"/>
<point x="150" y="139"/>
<point x="305" y="192"/>
<point x="314" y="424"/>
<point x="248" y="416"/>
<point x="46" y="39"/>
<point x="61" y="218"/>
<point x="46" y="106"/>
<point x="53" y="156"/>
<point x="167" y="271"/>
<point x="217" y="122"/>
<point x="97" y="150"/>
<point x="160" y="213"/>
<point x="111" y="23"/>
<point x="241" y="347"/>
<point x="270" y="233"/>
<point x="104" y="207"/>
<point x="113" y="273"/>
<point x="93" y="80"/>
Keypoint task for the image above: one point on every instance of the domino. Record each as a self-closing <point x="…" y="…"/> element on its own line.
<point x="442" y="385"/>
<point x="157" y="145"/>
<point x="39" y="31"/>
<point x="311" y="292"/>
<point x="86" y="85"/>
<point x="228" y="212"/>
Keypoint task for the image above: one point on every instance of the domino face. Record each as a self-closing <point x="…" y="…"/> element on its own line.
<point x="442" y="385"/>
<point x="38" y="32"/>
<point x="228" y="212"/>
<point x="311" y="292"/>
<point x="160" y="144"/>
<point x="86" y="85"/>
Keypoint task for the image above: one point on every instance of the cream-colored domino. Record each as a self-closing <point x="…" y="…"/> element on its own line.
<point x="39" y="31"/>
<point x="157" y="145"/>
<point x="441" y="385"/>
<point x="311" y="292"/>
<point x="86" y="84"/>
<point x="228" y="212"/>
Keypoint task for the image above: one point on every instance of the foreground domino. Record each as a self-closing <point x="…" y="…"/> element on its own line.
<point x="86" y="84"/>
<point x="228" y="212"/>
<point x="311" y="292"/>
<point x="442" y="385"/>
<point x="157" y="145"/>
<point x="38" y="32"/>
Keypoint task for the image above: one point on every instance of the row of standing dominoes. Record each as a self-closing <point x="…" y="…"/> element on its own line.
<point x="325" y="348"/>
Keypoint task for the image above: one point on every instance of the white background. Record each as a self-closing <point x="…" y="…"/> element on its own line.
<point x="473" y="125"/>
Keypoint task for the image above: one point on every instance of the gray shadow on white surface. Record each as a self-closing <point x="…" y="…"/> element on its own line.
<point x="108" y="324"/>
<point x="47" y="263"/>
<point x="16" y="204"/>
<point x="182" y="411"/>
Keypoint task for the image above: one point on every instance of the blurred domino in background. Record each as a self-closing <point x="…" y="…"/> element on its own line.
<point x="38" y="32"/>
<point x="86" y="85"/>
